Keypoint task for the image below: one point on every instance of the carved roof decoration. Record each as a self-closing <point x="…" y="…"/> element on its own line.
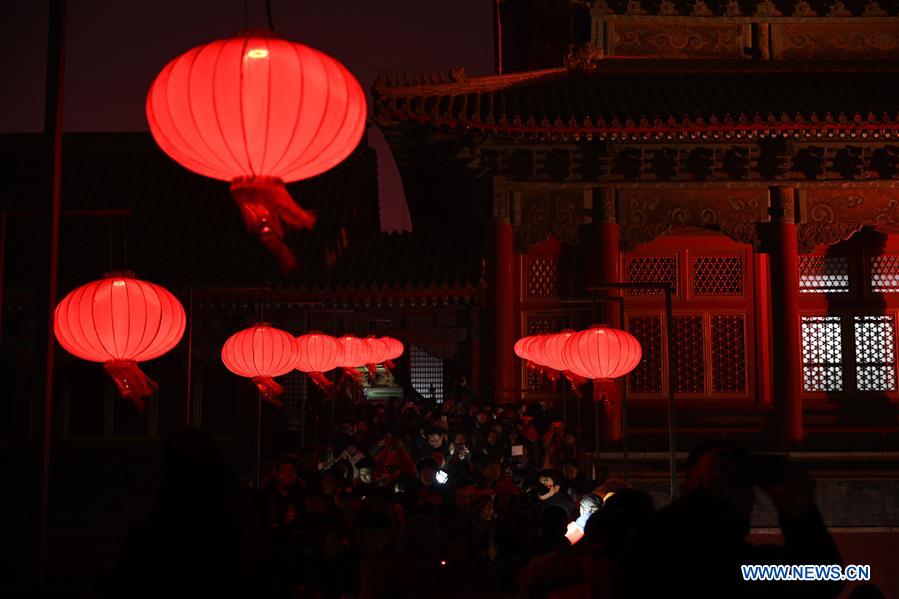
<point x="748" y="8"/>
<point x="649" y="102"/>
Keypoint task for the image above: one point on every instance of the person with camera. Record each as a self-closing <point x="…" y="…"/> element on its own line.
<point x="696" y="545"/>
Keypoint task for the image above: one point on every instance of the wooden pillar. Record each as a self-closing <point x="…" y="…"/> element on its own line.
<point x="606" y="261"/>
<point x="786" y="341"/>
<point x="503" y="309"/>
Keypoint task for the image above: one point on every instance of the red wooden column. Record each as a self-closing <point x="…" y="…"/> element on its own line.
<point x="606" y="261"/>
<point x="503" y="308"/>
<point x="786" y="341"/>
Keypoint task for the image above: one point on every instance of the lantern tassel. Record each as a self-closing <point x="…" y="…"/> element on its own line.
<point x="575" y="381"/>
<point x="352" y="373"/>
<point x="372" y="371"/>
<point x="131" y="382"/>
<point x="269" y="389"/>
<point x="268" y="212"/>
<point x="321" y="381"/>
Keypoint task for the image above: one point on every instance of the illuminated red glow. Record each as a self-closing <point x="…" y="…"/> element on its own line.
<point x="120" y="321"/>
<point x="602" y="353"/>
<point x="261" y="353"/>
<point x="599" y="353"/>
<point x="258" y="111"/>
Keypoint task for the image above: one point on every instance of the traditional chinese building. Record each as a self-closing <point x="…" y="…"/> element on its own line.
<point x="745" y="153"/>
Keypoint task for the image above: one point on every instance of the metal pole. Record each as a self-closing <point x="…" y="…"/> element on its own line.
<point x="669" y="353"/>
<point x="2" y="267"/>
<point x="190" y="354"/>
<point x="53" y="115"/>
<point x="623" y="400"/>
<point x="258" y="439"/>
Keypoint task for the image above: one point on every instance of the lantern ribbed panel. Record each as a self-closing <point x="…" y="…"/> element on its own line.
<point x="602" y="353"/>
<point x="317" y="352"/>
<point x="119" y="318"/>
<point x="524" y="347"/>
<point x="260" y="351"/>
<point x="256" y="106"/>
<point x="378" y="350"/>
<point x="396" y="347"/>
<point x="551" y="349"/>
<point x="354" y="352"/>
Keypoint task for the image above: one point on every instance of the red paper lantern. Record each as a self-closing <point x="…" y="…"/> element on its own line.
<point x="377" y="353"/>
<point x="258" y="111"/>
<point x="396" y="347"/>
<point x="524" y="347"/>
<point x="602" y="353"/>
<point x="317" y="353"/>
<point x="261" y="353"/>
<point x="120" y="321"/>
<point x="354" y="353"/>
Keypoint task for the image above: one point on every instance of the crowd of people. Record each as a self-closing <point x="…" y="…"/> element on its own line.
<point x="462" y="499"/>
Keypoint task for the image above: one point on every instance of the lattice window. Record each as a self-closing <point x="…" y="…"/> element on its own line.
<point x="822" y="353"/>
<point x="885" y="274"/>
<point x="544" y="277"/>
<point x="689" y="355"/>
<point x="875" y="367"/>
<point x="647" y="376"/>
<point x="728" y="353"/>
<point x="426" y="373"/>
<point x="651" y="269"/>
<point x="538" y="325"/>
<point x="823" y="274"/>
<point x="718" y="275"/>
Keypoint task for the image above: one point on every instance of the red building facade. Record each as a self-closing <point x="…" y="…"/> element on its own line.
<point x="744" y="153"/>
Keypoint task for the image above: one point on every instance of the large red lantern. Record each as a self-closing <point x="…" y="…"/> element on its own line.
<point x="120" y="321"/>
<point x="261" y="353"/>
<point x="317" y="353"/>
<point x="602" y="353"/>
<point x="258" y="111"/>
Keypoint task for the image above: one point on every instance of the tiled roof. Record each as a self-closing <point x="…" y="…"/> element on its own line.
<point x="748" y="8"/>
<point x="617" y="101"/>
<point x="395" y="268"/>
<point x="185" y="230"/>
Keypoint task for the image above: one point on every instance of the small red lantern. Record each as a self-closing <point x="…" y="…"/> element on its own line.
<point x="552" y="350"/>
<point x="317" y="353"/>
<point x="354" y="353"/>
<point x="258" y="111"/>
<point x="602" y="353"/>
<point x="120" y="321"/>
<point x="377" y="353"/>
<point x="395" y="351"/>
<point x="261" y="353"/>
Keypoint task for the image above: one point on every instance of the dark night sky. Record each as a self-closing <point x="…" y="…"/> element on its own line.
<point x="116" y="47"/>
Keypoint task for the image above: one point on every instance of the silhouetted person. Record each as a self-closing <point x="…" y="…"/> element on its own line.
<point x="190" y="544"/>
<point x="695" y="546"/>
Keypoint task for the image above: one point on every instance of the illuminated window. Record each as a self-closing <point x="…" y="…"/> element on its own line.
<point x="823" y="274"/>
<point x="875" y="367"/>
<point x="885" y="274"/>
<point x="426" y="374"/>
<point x="822" y="353"/>
<point x="827" y="368"/>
